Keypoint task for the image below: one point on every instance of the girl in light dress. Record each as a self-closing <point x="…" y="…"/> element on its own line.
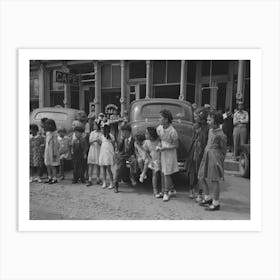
<point x="36" y="153"/>
<point x="152" y="159"/>
<point x="212" y="164"/>
<point x="106" y="156"/>
<point x="51" y="155"/>
<point x="168" y="149"/>
<point x="94" y="152"/>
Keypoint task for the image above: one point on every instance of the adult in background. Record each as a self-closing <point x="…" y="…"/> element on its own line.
<point x="228" y="127"/>
<point x="240" y="121"/>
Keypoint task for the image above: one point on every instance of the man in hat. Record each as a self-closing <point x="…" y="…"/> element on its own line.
<point x="240" y="121"/>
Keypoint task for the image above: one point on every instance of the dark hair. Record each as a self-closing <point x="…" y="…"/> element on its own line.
<point x="217" y="117"/>
<point x="106" y="131"/>
<point x="152" y="132"/>
<point x="62" y="130"/>
<point x="126" y="127"/>
<point x="167" y="115"/>
<point x="140" y="137"/>
<point x="98" y="123"/>
<point x="34" y="127"/>
<point x="43" y="120"/>
<point x="78" y="129"/>
<point x="50" y="125"/>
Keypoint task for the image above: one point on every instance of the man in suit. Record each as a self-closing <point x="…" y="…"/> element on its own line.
<point x="126" y="152"/>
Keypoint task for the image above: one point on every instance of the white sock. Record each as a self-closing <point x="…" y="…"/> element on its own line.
<point x="216" y="202"/>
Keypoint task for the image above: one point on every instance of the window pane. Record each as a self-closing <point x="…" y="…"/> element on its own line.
<point x="34" y="88"/>
<point x="137" y="69"/>
<point x="190" y="93"/>
<point x="142" y="91"/>
<point x="167" y="91"/>
<point x="205" y="67"/>
<point x="220" y="67"/>
<point x="116" y="71"/>
<point x="173" y="71"/>
<point x="159" y="72"/>
<point x="191" y="64"/>
<point x="106" y="75"/>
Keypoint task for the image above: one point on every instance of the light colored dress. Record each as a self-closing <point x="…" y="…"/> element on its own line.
<point x="168" y="137"/>
<point x="52" y="149"/>
<point x="106" y="156"/>
<point x="64" y="147"/>
<point x="212" y="164"/>
<point x="36" y="150"/>
<point x="139" y="152"/>
<point x="150" y="148"/>
<point x="94" y="149"/>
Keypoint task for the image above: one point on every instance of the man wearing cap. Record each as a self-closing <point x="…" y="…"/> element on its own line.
<point x="240" y="121"/>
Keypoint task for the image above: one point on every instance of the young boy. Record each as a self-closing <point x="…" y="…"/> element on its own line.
<point x="79" y="155"/>
<point x="126" y="152"/>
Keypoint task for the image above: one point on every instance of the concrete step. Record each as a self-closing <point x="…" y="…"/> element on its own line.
<point x="230" y="164"/>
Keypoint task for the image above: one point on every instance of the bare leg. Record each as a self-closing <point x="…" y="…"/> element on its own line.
<point x="144" y="171"/>
<point x="104" y="176"/>
<point x="49" y="169"/>
<point x="110" y="175"/>
<point x="168" y="183"/>
<point x="54" y="172"/>
<point x="155" y="181"/>
<point x="216" y="190"/>
<point x="97" y="172"/>
<point x="90" y="169"/>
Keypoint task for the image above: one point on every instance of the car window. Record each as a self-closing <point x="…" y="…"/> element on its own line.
<point x="58" y="116"/>
<point x="178" y="112"/>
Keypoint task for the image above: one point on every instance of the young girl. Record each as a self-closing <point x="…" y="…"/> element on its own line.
<point x="51" y="151"/>
<point x="169" y="143"/>
<point x="152" y="159"/>
<point x="211" y="167"/>
<point x="94" y="151"/>
<point x="106" y="157"/>
<point x="199" y="141"/>
<point x="140" y="152"/>
<point x="36" y="153"/>
<point x="64" y="150"/>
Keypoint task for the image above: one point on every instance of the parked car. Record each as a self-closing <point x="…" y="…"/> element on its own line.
<point x="63" y="117"/>
<point x="244" y="161"/>
<point x="145" y="112"/>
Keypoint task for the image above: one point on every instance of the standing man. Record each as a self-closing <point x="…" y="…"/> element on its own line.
<point x="240" y="121"/>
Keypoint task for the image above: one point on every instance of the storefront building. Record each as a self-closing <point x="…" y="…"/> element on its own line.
<point x="78" y="84"/>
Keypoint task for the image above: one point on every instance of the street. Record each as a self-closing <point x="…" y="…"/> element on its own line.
<point x="67" y="201"/>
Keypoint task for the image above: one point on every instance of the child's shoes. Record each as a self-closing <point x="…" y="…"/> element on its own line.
<point x="165" y="197"/>
<point x="213" y="207"/>
<point x="159" y="195"/>
<point x="111" y="186"/>
<point x="104" y="186"/>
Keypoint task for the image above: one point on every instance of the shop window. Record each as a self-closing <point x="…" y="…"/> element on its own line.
<point x="116" y="76"/>
<point x="57" y="98"/>
<point x="137" y="69"/>
<point x="190" y="93"/>
<point x="172" y="91"/>
<point x="34" y="88"/>
<point x="191" y="71"/>
<point x="106" y="76"/>
<point x="75" y="99"/>
<point x="159" y="73"/>
<point x="142" y="91"/>
<point x="221" y="96"/>
<point x="247" y="69"/>
<point x="173" y="71"/>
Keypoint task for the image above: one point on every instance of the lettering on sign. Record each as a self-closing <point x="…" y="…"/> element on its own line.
<point x="66" y="78"/>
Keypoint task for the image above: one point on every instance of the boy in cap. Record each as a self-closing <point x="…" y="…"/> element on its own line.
<point x="79" y="155"/>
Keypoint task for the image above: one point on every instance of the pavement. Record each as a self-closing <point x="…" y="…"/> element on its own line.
<point x="67" y="201"/>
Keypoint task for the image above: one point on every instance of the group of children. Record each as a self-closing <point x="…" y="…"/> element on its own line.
<point x="155" y="150"/>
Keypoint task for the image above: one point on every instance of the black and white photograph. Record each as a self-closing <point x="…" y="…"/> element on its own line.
<point x="140" y="139"/>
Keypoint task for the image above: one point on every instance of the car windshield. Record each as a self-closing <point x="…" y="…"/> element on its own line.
<point x="58" y="116"/>
<point x="178" y="112"/>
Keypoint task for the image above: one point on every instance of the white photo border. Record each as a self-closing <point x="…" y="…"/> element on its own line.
<point x="255" y="222"/>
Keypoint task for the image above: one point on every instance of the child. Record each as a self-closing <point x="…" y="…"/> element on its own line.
<point x="36" y="153"/>
<point x="126" y="152"/>
<point x="94" y="151"/>
<point x="199" y="141"/>
<point x="140" y="152"/>
<point x="152" y="159"/>
<point x="51" y="151"/>
<point x="79" y="154"/>
<point x="64" y="150"/>
<point x="106" y="157"/>
<point x="169" y="143"/>
<point x="211" y="167"/>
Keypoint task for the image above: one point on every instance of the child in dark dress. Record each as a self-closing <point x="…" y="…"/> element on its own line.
<point x="212" y="164"/>
<point x="79" y="155"/>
